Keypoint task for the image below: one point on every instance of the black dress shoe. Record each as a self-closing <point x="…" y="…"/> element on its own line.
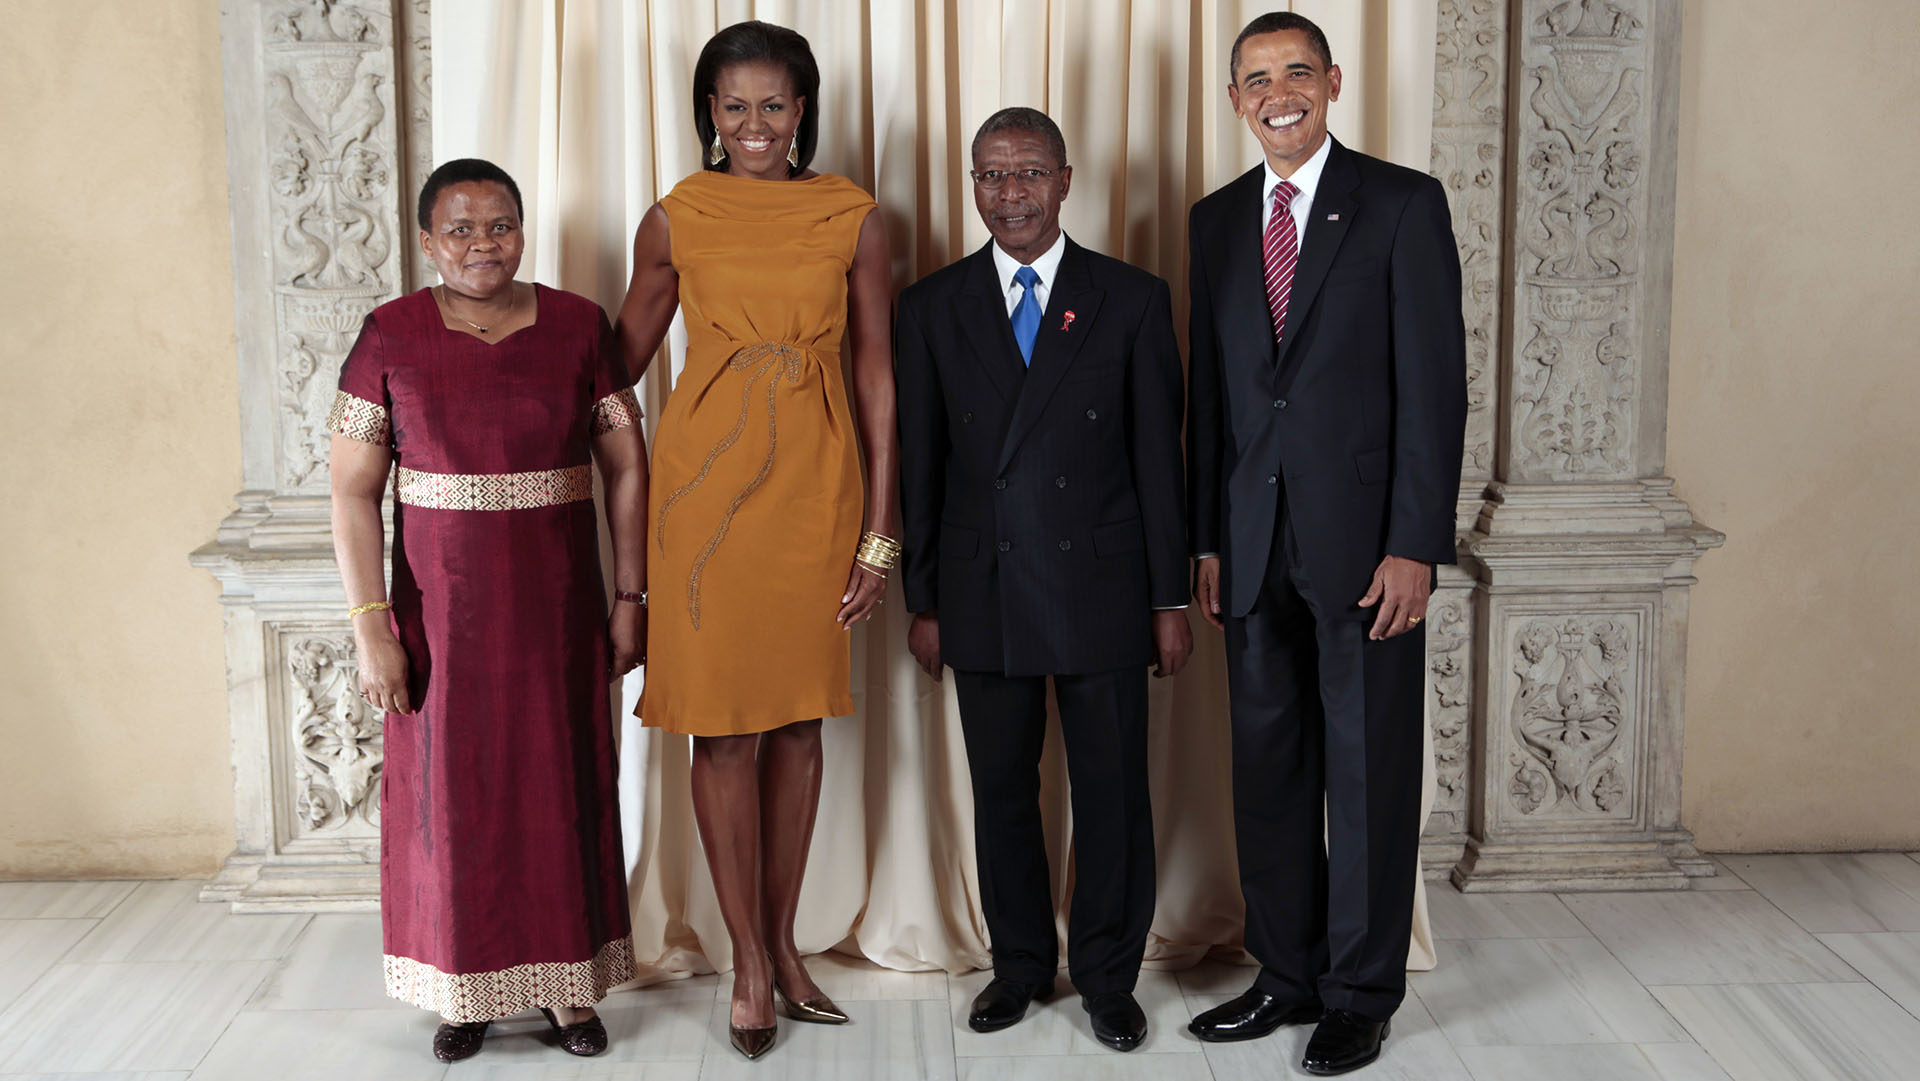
<point x="1344" y="1041"/>
<point x="584" y="1038"/>
<point x="1118" y="1020"/>
<point x="453" y="1042"/>
<point x="1251" y="1016"/>
<point x="1004" y="1002"/>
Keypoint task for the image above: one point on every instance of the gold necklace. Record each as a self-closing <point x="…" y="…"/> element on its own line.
<point x="440" y="291"/>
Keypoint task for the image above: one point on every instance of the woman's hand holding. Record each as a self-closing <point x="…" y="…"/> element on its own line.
<point x="866" y="591"/>
<point x="627" y="637"/>
<point x="383" y="665"/>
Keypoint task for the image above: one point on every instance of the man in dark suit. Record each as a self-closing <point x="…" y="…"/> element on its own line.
<point x="1325" y="423"/>
<point x="1039" y="402"/>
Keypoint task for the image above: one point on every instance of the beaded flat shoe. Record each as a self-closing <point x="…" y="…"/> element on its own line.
<point x="584" y="1038"/>
<point x="453" y="1042"/>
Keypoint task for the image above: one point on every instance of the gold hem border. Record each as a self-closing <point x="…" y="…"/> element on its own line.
<point x="489" y="996"/>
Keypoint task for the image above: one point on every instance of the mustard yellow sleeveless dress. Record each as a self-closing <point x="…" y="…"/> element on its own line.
<point x="755" y="491"/>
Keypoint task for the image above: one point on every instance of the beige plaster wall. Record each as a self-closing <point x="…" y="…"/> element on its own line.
<point x="119" y="438"/>
<point x="1795" y="426"/>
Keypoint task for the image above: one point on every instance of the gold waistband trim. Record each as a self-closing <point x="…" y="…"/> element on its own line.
<point x="493" y="491"/>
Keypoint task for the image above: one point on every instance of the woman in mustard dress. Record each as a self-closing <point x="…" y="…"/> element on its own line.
<point x="757" y="563"/>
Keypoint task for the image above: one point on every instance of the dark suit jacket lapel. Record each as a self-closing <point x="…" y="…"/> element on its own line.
<point x="1056" y="344"/>
<point x="1243" y="278"/>
<point x="982" y="305"/>
<point x="1327" y="220"/>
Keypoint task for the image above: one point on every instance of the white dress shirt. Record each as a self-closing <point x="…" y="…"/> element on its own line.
<point x="1307" y="179"/>
<point x="1047" y="265"/>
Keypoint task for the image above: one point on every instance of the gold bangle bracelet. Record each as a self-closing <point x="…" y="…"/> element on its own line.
<point x="370" y="606"/>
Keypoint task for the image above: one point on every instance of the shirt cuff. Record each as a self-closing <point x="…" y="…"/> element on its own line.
<point x="1206" y="555"/>
<point x="1171" y="607"/>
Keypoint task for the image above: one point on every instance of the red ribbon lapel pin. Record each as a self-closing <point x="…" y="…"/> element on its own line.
<point x="1067" y="323"/>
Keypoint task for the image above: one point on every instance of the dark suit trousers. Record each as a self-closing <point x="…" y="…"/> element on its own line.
<point x="1321" y="712"/>
<point x="1103" y="718"/>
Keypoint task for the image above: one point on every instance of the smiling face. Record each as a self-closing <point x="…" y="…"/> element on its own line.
<point x="1023" y="215"/>
<point x="1282" y="89"/>
<point x="757" y="116"/>
<point x="475" y="242"/>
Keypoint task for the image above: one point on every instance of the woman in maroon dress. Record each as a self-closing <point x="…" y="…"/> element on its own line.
<point x="502" y="882"/>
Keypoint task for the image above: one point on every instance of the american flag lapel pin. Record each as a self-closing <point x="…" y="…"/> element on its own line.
<point x="1067" y="323"/>
<point x="1333" y="217"/>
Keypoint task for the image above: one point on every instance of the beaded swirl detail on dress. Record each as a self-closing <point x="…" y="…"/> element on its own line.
<point x="781" y="360"/>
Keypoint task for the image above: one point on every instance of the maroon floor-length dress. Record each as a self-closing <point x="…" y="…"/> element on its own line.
<point x="501" y="876"/>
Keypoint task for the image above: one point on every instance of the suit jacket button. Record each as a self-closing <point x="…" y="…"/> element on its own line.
<point x="999" y="483"/>
<point x="1273" y="478"/>
<point x="966" y="418"/>
<point x="1279" y="403"/>
<point x="1066" y="546"/>
<point x="1059" y="482"/>
<point x="1091" y="415"/>
<point x="1006" y="546"/>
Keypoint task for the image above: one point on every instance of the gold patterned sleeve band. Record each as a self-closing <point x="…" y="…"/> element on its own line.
<point x="615" y="411"/>
<point x="358" y="418"/>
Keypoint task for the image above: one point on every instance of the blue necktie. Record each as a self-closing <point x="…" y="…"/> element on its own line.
<point x="1026" y="314"/>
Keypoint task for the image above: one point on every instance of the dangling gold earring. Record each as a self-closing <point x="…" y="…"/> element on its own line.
<point x="793" y="153"/>
<point x="715" y="154"/>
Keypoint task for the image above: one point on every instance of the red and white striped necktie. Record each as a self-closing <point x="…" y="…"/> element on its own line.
<point x="1282" y="251"/>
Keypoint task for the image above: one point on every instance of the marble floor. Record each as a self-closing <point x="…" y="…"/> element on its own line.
<point x="1785" y="968"/>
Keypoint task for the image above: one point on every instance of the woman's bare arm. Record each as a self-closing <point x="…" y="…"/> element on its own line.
<point x="652" y="295"/>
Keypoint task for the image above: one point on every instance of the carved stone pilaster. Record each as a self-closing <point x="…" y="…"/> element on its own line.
<point x="1469" y="157"/>
<point x="1582" y="554"/>
<point x="328" y="137"/>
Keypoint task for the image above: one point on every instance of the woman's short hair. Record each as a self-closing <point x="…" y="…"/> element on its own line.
<point x="462" y="171"/>
<point x="749" y="42"/>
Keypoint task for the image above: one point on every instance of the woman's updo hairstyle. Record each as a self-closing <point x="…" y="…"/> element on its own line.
<point x="750" y="42"/>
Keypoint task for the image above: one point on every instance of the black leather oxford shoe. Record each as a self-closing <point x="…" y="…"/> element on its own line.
<point x="1251" y="1016"/>
<point x="1004" y="1002"/>
<point x="1344" y="1041"/>
<point x="1118" y="1021"/>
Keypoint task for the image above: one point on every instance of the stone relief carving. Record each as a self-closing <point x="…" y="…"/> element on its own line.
<point x="1571" y="717"/>
<point x="1579" y="217"/>
<point x="336" y="736"/>
<point x="416" y="20"/>
<point x="332" y="167"/>
<point x="1469" y="152"/>
<point x="1449" y="667"/>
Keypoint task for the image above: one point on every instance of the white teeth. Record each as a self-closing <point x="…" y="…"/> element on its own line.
<point x="1285" y="121"/>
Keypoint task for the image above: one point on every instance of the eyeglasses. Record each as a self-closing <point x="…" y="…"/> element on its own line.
<point x="994" y="178"/>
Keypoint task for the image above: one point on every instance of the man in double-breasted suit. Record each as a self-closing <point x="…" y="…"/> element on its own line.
<point x="1326" y="416"/>
<point x="1039" y="404"/>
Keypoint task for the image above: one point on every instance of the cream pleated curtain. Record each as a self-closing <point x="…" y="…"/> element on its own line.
<point x="586" y="103"/>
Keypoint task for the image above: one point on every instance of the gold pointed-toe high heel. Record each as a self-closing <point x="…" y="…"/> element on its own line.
<point x="818" y="1010"/>
<point x="752" y="1042"/>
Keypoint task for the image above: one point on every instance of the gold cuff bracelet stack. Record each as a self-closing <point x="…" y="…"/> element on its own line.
<point x="878" y="553"/>
<point x="370" y="606"/>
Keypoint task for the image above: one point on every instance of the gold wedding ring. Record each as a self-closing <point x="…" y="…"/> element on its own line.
<point x="1411" y="620"/>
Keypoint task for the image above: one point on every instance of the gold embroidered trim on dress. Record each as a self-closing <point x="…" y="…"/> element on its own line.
<point x="493" y="491"/>
<point x="756" y="360"/>
<point x="358" y="418"/>
<point x="489" y="996"/>
<point x="620" y="409"/>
